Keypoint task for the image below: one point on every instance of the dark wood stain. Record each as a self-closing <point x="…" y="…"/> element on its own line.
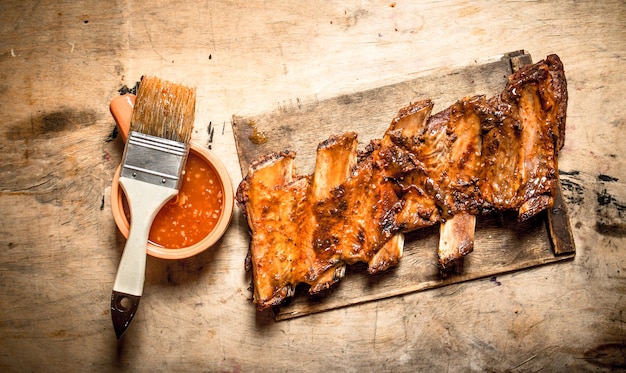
<point x="113" y="135"/>
<point x="573" y="191"/>
<point x="610" y="215"/>
<point x="603" y="177"/>
<point x="608" y="355"/>
<point x="51" y="124"/>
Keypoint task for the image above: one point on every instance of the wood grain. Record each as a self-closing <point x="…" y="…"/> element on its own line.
<point x="62" y="62"/>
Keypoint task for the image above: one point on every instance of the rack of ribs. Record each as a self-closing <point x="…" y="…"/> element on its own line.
<point x="478" y="156"/>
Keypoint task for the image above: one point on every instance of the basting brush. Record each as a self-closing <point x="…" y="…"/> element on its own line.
<point x="150" y="175"/>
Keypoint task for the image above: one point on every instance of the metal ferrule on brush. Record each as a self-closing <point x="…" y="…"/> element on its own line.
<point x="154" y="160"/>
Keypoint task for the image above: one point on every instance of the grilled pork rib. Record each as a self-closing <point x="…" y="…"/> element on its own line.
<point x="274" y="200"/>
<point x="477" y="156"/>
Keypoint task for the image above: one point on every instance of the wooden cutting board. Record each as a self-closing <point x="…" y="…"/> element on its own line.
<point x="502" y="243"/>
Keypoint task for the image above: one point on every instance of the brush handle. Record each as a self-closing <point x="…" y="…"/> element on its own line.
<point x="145" y="200"/>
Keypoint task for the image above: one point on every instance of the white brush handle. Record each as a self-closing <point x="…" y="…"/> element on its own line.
<point x="145" y="200"/>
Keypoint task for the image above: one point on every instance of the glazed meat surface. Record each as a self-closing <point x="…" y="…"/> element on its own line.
<point x="477" y="156"/>
<point x="274" y="200"/>
<point x="520" y="149"/>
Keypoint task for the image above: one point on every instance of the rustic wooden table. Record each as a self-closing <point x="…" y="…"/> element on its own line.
<point x="62" y="62"/>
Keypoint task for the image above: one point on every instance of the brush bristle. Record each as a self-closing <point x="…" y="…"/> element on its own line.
<point x="164" y="109"/>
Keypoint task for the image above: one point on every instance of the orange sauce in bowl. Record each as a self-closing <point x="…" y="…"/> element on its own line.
<point x="192" y="214"/>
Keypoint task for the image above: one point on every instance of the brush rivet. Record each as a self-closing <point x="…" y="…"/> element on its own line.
<point x="134" y="174"/>
<point x="163" y="181"/>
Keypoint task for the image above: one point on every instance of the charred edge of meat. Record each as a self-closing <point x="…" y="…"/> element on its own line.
<point x="411" y="109"/>
<point x="559" y="85"/>
<point x="328" y="278"/>
<point x="266" y="159"/>
<point x="387" y="221"/>
<point x="396" y="160"/>
<point x="277" y="298"/>
<point x="534" y="206"/>
<point x="335" y="140"/>
<point x="241" y="195"/>
<point x="366" y="153"/>
<point x="388" y="256"/>
<point x="248" y="261"/>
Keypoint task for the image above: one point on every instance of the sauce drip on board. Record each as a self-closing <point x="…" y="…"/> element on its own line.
<point x="190" y="216"/>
